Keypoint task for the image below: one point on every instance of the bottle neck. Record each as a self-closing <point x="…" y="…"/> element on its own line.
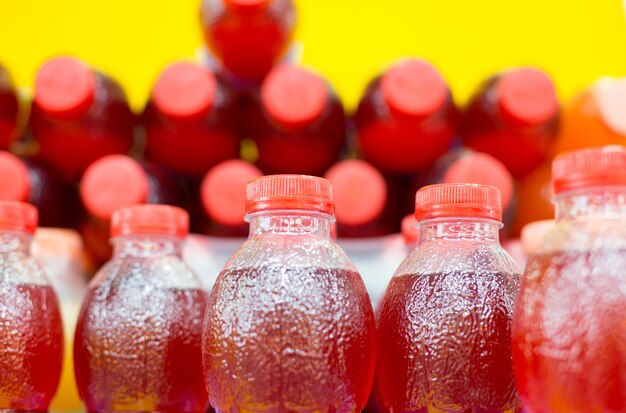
<point x="460" y="229"/>
<point x="143" y="246"/>
<point x="15" y="242"/>
<point x="602" y="202"/>
<point x="290" y="223"/>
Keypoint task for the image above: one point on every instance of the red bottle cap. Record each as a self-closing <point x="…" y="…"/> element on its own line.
<point x="288" y="192"/>
<point x="15" y="184"/>
<point x="414" y="88"/>
<point x="458" y="201"/>
<point x="113" y="182"/>
<point x="527" y="96"/>
<point x="18" y="216"/>
<point x="294" y="97"/>
<point x="610" y="94"/>
<point x="184" y="90"/>
<point x="360" y="192"/>
<point x="247" y="6"/>
<point x="602" y="166"/>
<point x="410" y="231"/>
<point x="223" y="191"/>
<point x="483" y="169"/>
<point x="65" y="87"/>
<point x="150" y="219"/>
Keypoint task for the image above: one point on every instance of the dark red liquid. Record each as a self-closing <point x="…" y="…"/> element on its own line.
<point x="310" y="150"/>
<point x="569" y="339"/>
<point x="445" y="343"/>
<point x="191" y="147"/>
<point x="137" y="348"/>
<point x="248" y="43"/>
<point x="9" y="108"/>
<point x="70" y="145"/>
<point x="522" y="148"/>
<point x="289" y="339"/>
<point x="397" y="144"/>
<point x="31" y="346"/>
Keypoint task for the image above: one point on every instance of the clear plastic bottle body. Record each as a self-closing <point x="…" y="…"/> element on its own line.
<point x="31" y="332"/>
<point x="445" y="321"/>
<point x="569" y="340"/>
<point x="289" y="326"/>
<point x="137" y="342"/>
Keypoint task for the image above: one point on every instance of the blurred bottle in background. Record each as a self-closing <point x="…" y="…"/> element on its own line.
<point x="514" y="117"/>
<point x="406" y="118"/>
<point x="78" y="115"/>
<point x="223" y="197"/>
<point x="190" y="120"/>
<point x="594" y="117"/>
<point x="364" y="206"/>
<point x="9" y="109"/>
<point x="248" y="36"/>
<point x="28" y="180"/>
<point x="117" y="181"/>
<point x="534" y="198"/>
<point x="298" y="123"/>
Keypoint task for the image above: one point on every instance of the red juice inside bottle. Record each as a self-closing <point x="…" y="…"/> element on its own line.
<point x="116" y="181"/>
<point x="29" y="180"/>
<point x="406" y="118"/>
<point x="137" y="342"/>
<point x="289" y="325"/>
<point x="190" y="120"/>
<point x="78" y="108"/>
<point x="363" y="205"/>
<point x="248" y="36"/>
<point x="569" y="340"/>
<point x="444" y="325"/>
<point x="298" y="123"/>
<point x="31" y="333"/>
<point x="9" y="109"/>
<point x="223" y="196"/>
<point x="594" y="117"/>
<point x="513" y="117"/>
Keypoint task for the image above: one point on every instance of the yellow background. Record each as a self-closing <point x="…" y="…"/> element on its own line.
<point x="349" y="41"/>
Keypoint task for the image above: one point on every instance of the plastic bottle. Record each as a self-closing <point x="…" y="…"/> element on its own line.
<point x="513" y="117"/>
<point x="78" y="108"/>
<point x="9" y="109"/>
<point x="444" y="325"/>
<point x="298" y="123"/>
<point x="137" y="343"/>
<point x="28" y="180"/>
<point x="223" y="196"/>
<point x="289" y="325"/>
<point x="568" y="335"/>
<point x="248" y="36"/>
<point x="31" y="332"/>
<point x="190" y="120"/>
<point x="116" y="181"/>
<point x="594" y="117"/>
<point x="363" y="203"/>
<point x="406" y="118"/>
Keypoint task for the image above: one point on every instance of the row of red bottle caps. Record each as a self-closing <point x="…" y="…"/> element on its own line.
<point x="289" y="323"/>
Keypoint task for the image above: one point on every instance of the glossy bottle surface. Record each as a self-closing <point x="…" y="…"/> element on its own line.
<point x="137" y="342"/>
<point x="569" y="336"/>
<point x="9" y="109"/>
<point x="289" y="325"/>
<point x="31" y="332"/>
<point x="248" y="37"/>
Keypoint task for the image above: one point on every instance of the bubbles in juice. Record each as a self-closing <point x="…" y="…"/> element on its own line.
<point x="444" y="343"/>
<point x="137" y="348"/>
<point x="569" y="341"/>
<point x="31" y="346"/>
<point x="282" y="339"/>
